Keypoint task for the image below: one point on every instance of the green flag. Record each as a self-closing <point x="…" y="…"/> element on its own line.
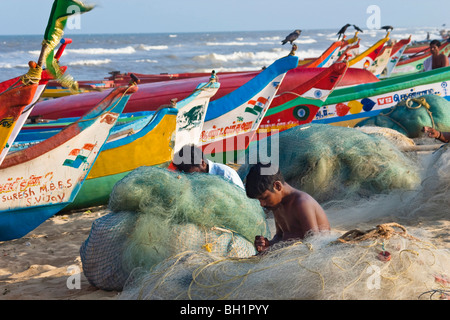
<point x="61" y="11"/>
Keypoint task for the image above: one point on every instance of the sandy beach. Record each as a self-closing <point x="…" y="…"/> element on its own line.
<point x="44" y="264"/>
<point x="40" y="265"/>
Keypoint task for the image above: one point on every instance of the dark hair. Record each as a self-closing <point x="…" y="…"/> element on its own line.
<point x="187" y="157"/>
<point x="257" y="183"/>
<point x="435" y="42"/>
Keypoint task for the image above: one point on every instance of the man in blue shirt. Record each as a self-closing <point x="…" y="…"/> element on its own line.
<point x="191" y="159"/>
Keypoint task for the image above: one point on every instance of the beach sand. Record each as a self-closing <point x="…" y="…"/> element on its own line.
<point x="40" y="265"/>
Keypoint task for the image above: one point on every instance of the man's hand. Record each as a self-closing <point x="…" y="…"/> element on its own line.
<point x="261" y="244"/>
<point x="432" y="133"/>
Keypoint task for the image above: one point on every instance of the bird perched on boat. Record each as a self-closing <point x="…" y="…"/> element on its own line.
<point x="292" y="37"/>
<point x="342" y="31"/>
<point x="357" y="28"/>
<point x="387" y="28"/>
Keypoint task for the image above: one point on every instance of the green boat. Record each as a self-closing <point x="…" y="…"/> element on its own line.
<point x="348" y="106"/>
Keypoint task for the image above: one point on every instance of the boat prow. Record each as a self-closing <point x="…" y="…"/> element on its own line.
<point x="41" y="180"/>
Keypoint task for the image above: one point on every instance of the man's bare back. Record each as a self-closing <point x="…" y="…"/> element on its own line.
<point x="296" y="213"/>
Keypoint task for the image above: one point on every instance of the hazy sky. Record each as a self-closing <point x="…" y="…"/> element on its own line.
<point x="148" y="16"/>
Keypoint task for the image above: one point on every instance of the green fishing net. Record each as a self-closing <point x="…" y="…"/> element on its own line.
<point x="323" y="266"/>
<point x="157" y="213"/>
<point x="411" y="115"/>
<point x="331" y="162"/>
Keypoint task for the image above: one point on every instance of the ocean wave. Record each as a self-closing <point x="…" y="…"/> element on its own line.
<point x="275" y="38"/>
<point x="12" y="66"/>
<point x="230" y="69"/>
<point x="238" y="56"/>
<point x="89" y="62"/>
<point x="146" y="61"/>
<point x="148" y="48"/>
<point x="35" y="52"/>
<point x="415" y="37"/>
<point x="100" y="51"/>
<point x="232" y="43"/>
<point x="255" y="58"/>
<point x="305" y="41"/>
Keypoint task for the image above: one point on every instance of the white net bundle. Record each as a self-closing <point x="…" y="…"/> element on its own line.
<point x="318" y="268"/>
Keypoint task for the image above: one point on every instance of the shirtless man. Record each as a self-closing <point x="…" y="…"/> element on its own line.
<point x="437" y="60"/>
<point x="296" y="213"/>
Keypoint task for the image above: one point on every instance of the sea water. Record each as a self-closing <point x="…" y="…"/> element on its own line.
<point x="93" y="56"/>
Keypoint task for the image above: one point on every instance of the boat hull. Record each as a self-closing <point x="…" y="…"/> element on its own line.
<point x="346" y="107"/>
<point x="39" y="181"/>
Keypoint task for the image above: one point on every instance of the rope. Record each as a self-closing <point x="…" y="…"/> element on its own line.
<point x="384" y="231"/>
<point x="33" y="76"/>
<point x="422" y="102"/>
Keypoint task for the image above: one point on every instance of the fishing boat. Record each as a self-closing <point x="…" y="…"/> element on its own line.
<point x="40" y="181"/>
<point x="334" y="53"/>
<point x="152" y="95"/>
<point x="348" y="106"/>
<point x="414" y="63"/>
<point x="232" y="120"/>
<point x="152" y="144"/>
<point x="397" y="52"/>
<point x="45" y="77"/>
<point x="367" y="58"/>
<point x="15" y="95"/>
<point x="300" y="106"/>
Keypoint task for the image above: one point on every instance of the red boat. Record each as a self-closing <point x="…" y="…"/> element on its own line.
<point x="153" y="95"/>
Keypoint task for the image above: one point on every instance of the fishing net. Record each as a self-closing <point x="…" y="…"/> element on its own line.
<point x="386" y="264"/>
<point x="388" y="261"/>
<point x="157" y="213"/>
<point x="395" y="137"/>
<point x="411" y="115"/>
<point x="169" y="235"/>
<point x="331" y="162"/>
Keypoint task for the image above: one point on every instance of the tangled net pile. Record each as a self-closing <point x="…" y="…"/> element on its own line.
<point x="330" y="162"/>
<point x="157" y="213"/>
<point x="410" y="116"/>
<point x="326" y="266"/>
<point x="176" y="236"/>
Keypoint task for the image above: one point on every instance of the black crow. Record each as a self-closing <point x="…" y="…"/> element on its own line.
<point x="342" y="31"/>
<point x="292" y="37"/>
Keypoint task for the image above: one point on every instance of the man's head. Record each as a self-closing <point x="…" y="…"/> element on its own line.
<point x="190" y="159"/>
<point x="434" y="46"/>
<point x="267" y="188"/>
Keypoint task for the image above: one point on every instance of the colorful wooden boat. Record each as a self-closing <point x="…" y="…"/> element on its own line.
<point x="41" y="180"/>
<point x="366" y="59"/>
<point x="232" y="120"/>
<point x="332" y="54"/>
<point x="414" y="63"/>
<point x="348" y="106"/>
<point x="150" y="145"/>
<point x="45" y="77"/>
<point x="397" y="51"/>
<point x="154" y="144"/>
<point x="152" y="95"/>
<point x="15" y="95"/>
<point x="300" y="106"/>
